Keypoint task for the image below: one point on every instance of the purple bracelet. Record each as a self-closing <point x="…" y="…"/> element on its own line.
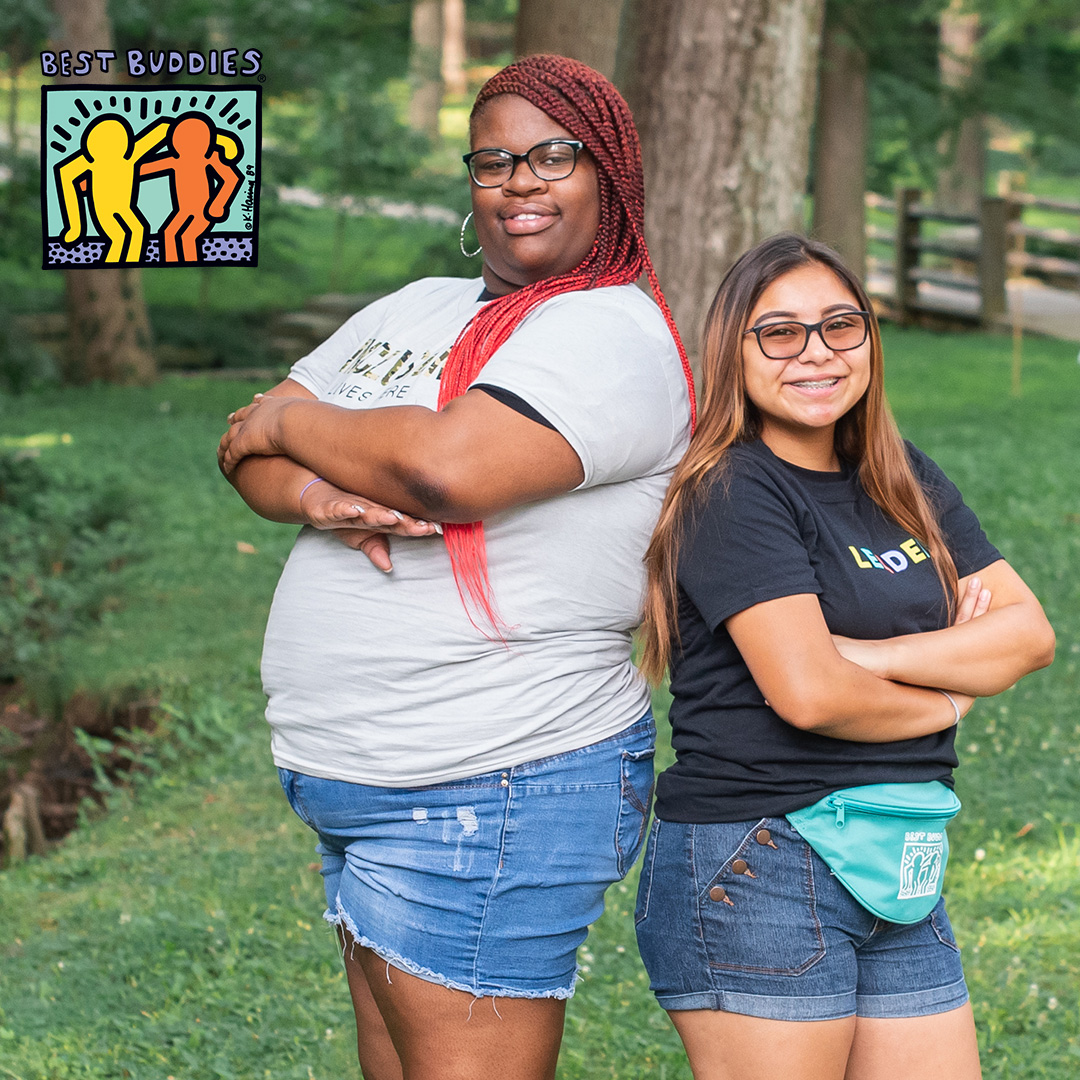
<point x="300" y="501"/>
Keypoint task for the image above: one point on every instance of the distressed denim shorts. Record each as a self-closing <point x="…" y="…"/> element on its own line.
<point x="746" y="918"/>
<point x="486" y="885"/>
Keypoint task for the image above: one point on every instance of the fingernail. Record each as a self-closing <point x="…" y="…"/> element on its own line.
<point x="398" y="514"/>
<point x="438" y="527"/>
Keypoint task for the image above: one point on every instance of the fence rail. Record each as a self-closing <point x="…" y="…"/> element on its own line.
<point x="972" y="253"/>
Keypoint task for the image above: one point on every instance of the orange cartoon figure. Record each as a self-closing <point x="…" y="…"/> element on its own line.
<point x="199" y="155"/>
<point x="105" y="171"/>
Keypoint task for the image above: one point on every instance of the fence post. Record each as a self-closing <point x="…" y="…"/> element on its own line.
<point x="993" y="256"/>
<point x="905" y="252"/>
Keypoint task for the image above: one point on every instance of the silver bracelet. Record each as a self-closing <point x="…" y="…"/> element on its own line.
<point x="952" y="702"/>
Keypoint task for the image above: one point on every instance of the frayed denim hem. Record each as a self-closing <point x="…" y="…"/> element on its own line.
<point x="341" y="918"/>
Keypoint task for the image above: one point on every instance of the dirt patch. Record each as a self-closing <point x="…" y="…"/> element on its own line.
<point x="45" y="773"/>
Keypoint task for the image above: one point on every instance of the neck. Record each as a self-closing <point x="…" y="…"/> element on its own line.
<point x="813" y="449"/>
<point x="497" y="285"/>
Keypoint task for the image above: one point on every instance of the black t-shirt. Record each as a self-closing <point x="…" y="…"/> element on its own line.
<point x="770" y="529"/>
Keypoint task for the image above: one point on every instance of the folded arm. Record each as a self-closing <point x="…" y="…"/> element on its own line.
<point x="979" y="656"/>
<point x="280" y="489"/>
<point x="810" y="685"/>
<point x="471" y="459"/>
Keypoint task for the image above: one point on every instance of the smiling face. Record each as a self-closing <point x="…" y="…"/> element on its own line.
<point x="801" y="399"/>
<point x="530" y="228"/>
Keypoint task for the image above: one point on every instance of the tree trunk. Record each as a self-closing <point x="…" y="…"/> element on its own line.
<point x="425" y="67"/>
<point x="723" y="95"/>
<point x="840" y="136"/>
<point x="587" y="30"/>
<point x="108" y="325"/>
<point x="453" y="48"/>
<point x="962" y="175"/>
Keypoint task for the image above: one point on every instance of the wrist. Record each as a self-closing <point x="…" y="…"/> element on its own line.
<point x="300" y="498"/>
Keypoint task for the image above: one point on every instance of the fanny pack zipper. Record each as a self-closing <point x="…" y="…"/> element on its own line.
<point x="842" y="805"/>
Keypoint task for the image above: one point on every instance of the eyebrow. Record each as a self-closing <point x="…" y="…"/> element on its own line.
<point x="825" y="312"/>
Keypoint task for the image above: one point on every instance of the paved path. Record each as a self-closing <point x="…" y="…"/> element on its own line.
<point x="1039" y="309"/>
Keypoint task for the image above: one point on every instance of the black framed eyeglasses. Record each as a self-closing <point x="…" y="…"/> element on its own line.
<point x="785" y="340"/>
<point x="552" y="159"/>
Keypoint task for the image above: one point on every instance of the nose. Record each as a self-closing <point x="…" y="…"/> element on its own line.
<point x="816" y="351"/>
<point x="522" y="180"/>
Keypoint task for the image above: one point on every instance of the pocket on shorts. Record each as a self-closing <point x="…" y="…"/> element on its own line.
<point x="641" y="908"/>
<point x="636" y="783"/>
<point x="757" y="908"/>
<point x="941" y="926"/>
<point x="289" y="784"/>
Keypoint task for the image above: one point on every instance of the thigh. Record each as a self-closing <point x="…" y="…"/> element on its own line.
<point x="939" y="1045"/>
<point x="729" y="1046"/>
<point x="445" y="1034"/>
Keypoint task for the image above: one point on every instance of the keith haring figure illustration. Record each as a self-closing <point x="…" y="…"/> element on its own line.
<point x="104" y="171"/>
<point x="199" y="154"/>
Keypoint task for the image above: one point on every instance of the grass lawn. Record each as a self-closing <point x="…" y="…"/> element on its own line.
<point x="179" y="936"/>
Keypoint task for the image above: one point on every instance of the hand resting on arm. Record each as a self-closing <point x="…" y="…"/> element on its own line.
<point x="280" y="489"/>
<point x="1005" y="637"/>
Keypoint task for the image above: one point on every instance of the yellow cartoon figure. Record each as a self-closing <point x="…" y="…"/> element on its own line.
<point x="105" y="171"/>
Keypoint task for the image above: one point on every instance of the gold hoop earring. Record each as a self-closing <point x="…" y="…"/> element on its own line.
<point x="461" y="238"/>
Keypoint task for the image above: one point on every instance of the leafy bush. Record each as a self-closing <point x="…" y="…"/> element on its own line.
<point x="59" y="541"/>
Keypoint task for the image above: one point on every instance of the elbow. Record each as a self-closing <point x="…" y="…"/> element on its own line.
<point x="1043" y="646"/>
<point x="810" y="710"/>
<point x="437" y="491"/>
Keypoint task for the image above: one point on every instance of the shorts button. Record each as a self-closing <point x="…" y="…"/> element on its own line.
<point x="504" y="783"/>
<point x="739" y="866"/>
<point x="764" y="838"/>
<point x="719" y="893"/>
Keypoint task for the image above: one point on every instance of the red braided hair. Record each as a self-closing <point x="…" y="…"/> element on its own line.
<point x="588" y="106"/>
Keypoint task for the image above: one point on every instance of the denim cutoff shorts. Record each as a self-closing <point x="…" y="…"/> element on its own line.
<point x="746" y="918"/>
<point x="486" y="885"/>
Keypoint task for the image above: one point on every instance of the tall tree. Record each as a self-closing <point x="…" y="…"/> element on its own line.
<point x="587" y="31"/>
<point x="425" y="67"/>
<point x="962" y="175"/>
<point x="840" y="141"/>
<point x="108" y="325"/>
<point x="453" y="48"/>
<point x="723" y="95"/>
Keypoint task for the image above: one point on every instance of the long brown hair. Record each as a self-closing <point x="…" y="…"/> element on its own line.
<point x="866" y="436"/>
<point x="592" y="110"/>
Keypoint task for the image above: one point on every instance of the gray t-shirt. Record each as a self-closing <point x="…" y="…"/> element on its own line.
<point x="382" y="679"/>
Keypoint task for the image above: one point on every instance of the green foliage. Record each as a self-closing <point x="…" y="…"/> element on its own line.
<point x="59" y="542"/>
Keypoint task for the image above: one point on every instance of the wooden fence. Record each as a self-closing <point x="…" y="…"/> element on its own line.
<point x="969" y="257"/>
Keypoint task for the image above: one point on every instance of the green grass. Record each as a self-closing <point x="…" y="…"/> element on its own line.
<point x="187" y="920"/>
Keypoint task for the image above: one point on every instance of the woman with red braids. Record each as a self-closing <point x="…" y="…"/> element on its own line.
<point x="465" y="732"/>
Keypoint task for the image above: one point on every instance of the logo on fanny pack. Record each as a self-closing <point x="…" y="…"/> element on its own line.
<point x="920" y="865"/>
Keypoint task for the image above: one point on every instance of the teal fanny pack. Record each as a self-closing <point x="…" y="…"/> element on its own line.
<point x="885" y="842"/>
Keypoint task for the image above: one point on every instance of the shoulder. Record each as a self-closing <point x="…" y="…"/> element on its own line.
<point x="434" y="291"/>
<point x="929" y="474"/>
<point x="746" y="481"/>
<point x="621" y="309"/>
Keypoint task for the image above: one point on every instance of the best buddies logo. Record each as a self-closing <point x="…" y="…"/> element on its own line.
<point x="150" y="176"/>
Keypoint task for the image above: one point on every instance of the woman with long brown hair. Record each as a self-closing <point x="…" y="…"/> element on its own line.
<point x="463" y="727"/>
<point x="828" y="608"/>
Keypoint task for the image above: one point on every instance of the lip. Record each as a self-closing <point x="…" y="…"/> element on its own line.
<point x="524" y="219"/>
